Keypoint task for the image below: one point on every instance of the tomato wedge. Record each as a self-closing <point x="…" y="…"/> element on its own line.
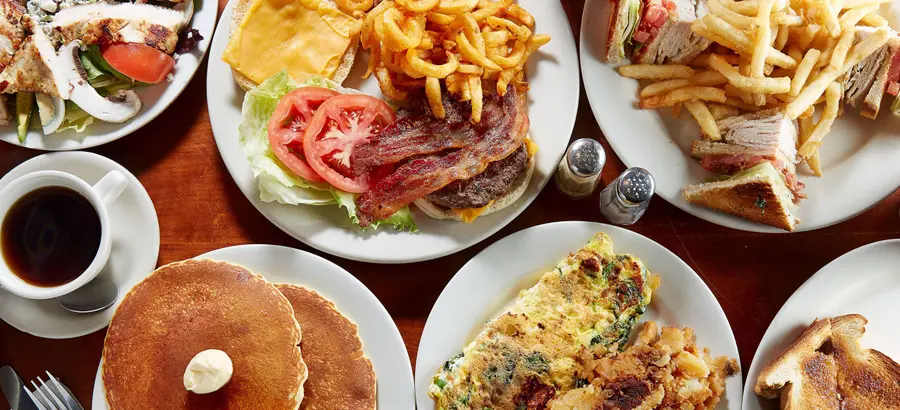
<point x="339" y="125"/>
<point x="288" y="123"/>
<point x="139" y="62"/>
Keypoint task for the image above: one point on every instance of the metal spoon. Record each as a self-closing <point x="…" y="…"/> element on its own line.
<point x="93" y="297"/>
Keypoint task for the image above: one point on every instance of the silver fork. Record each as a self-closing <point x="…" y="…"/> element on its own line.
<point x="52" y="396"/>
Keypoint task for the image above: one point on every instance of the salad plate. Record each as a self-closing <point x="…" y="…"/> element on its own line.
<point x="154" y="99"/>
<point x="552" y="75"/>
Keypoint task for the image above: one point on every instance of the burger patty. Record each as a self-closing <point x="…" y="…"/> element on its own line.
<point x="485" y="187"/>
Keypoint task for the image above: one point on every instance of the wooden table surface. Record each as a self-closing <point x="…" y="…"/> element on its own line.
<point x="201" y="209"/>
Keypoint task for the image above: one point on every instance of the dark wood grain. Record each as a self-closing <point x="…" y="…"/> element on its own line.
<point x="201" y="209"/>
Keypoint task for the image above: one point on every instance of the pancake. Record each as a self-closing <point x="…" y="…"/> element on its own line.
<point x="340" y="374"/>
<point x="186" y="307"/>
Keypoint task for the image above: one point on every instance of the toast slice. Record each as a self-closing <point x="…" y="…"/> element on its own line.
<point x="826" y="368"/>
<point x="805" y="378"/>
<point x="758" y="194"/>
<point x="867" y="378"/>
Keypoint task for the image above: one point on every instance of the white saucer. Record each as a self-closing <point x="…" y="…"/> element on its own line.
<point x="380" y="337"/>
<point x="864" y="280"/>
<point x="492" y="279"/>
<point x="135" y="247"/>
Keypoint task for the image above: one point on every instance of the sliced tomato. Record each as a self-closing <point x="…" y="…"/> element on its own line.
<point x="288" y="124"/>
<point x="138" y="61"/>
<point x="340" y="124"/>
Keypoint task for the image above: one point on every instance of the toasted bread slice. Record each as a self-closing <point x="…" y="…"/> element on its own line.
<point x="867" y="378"/>
<point x="237" y="16"/>
<point x="826" y="368"/>
<point x="756" y="197"/>
<point x="805" y="377"/>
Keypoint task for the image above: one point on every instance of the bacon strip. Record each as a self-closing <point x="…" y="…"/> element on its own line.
<point x="501" y="131"/>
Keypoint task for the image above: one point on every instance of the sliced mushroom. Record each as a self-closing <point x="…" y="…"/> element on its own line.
<point x="114" y="108"/>
<point x="52" y="111"/>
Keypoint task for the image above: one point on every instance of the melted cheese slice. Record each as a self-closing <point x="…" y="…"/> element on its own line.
<point x="531" y="147"/>
<point x="291" y="35"/>
<point x="469" y="214"/>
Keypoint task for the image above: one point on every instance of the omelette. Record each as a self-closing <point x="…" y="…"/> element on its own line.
<point x="541" y="346"/>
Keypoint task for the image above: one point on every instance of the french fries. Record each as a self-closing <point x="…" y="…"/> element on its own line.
<point x="704" y="117"/>
<point x="792" y="55"/>
<point x="832" y="103"/>
<point x="664" y="87"/>
<point x="465" y="44"/>
<point x="656" y="71"/>
<point x="749" y="84"/>
<point x="685" y="94"/>
<point x="803" y="71"/>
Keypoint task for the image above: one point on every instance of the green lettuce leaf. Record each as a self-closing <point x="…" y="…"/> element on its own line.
<point x="276" y="182"/>
<point x="75" y="119"/>
<point x="895" y="106"/>
<point x="401" y="220"/>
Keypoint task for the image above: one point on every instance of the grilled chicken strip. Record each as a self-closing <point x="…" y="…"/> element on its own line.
<point x="104" y="23"/>
<point x="12" y="30"/>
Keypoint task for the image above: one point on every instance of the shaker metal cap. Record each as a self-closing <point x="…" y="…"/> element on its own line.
<point x="636" y="185"/>
<point x="585" y="157"/>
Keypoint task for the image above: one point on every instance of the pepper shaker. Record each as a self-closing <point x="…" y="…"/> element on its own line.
<point x="625" y="199"/>
<point x="579" y="170"/>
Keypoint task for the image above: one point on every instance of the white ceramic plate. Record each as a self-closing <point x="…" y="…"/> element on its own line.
<point x="492" y="279"/>
<point x="865" y="280"/>
<point x="553" y="102"/>
<point x="859" y="157"/>
<point x="135" y="247"/>
<point x="380" y="337"/>
<point x="154" y="99"/>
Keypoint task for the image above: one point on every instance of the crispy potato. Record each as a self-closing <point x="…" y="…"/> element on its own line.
<point x="787" y="20"/>
<point x="702" y="60"/>
<point x="803" y="70"/>
<point x="709" y="78"/>
<point x="664" y="87"/>
<point x="839" y="54"/>
<point x="745" y="7"/>
<point x="655" y="71"/>
<point x="684" y="94"/>
<point x="851" y="17"/>
<point x="749" y="84"/>
<point x="806" y="126"/>
<point x="704" y="118"/>
<point x="720" y="111"/>
<point x="781" y="38"/>
<point x="417" y="6"/>
<point x="477" y="98"/>
<point x="424" y="68"/>
<point x="720" y="29"/>
<point x="523" y="16"/>
<point x="832" y="102"/>
<point x="763" y="40"/>
<point x="873" y="20"/>
<point x="456" y="6"/>
<point x="435" y="101"/>
<point x="734" y="18"/>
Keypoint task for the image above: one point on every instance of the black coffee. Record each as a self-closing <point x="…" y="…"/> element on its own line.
<point x="50" y="236"/>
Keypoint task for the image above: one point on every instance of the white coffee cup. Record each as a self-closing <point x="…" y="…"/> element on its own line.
<point x="100" y="195"/>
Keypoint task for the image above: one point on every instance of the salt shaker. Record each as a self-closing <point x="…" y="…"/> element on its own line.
<point x="579" y="171"/>
<point x="624" y="200"/>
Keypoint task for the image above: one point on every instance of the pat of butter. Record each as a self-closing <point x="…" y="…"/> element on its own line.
<point x="208" y="371"/>
<point x="290" y="35"/>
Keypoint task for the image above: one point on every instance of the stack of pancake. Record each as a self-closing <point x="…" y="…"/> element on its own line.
<point x="187" y="307"/>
